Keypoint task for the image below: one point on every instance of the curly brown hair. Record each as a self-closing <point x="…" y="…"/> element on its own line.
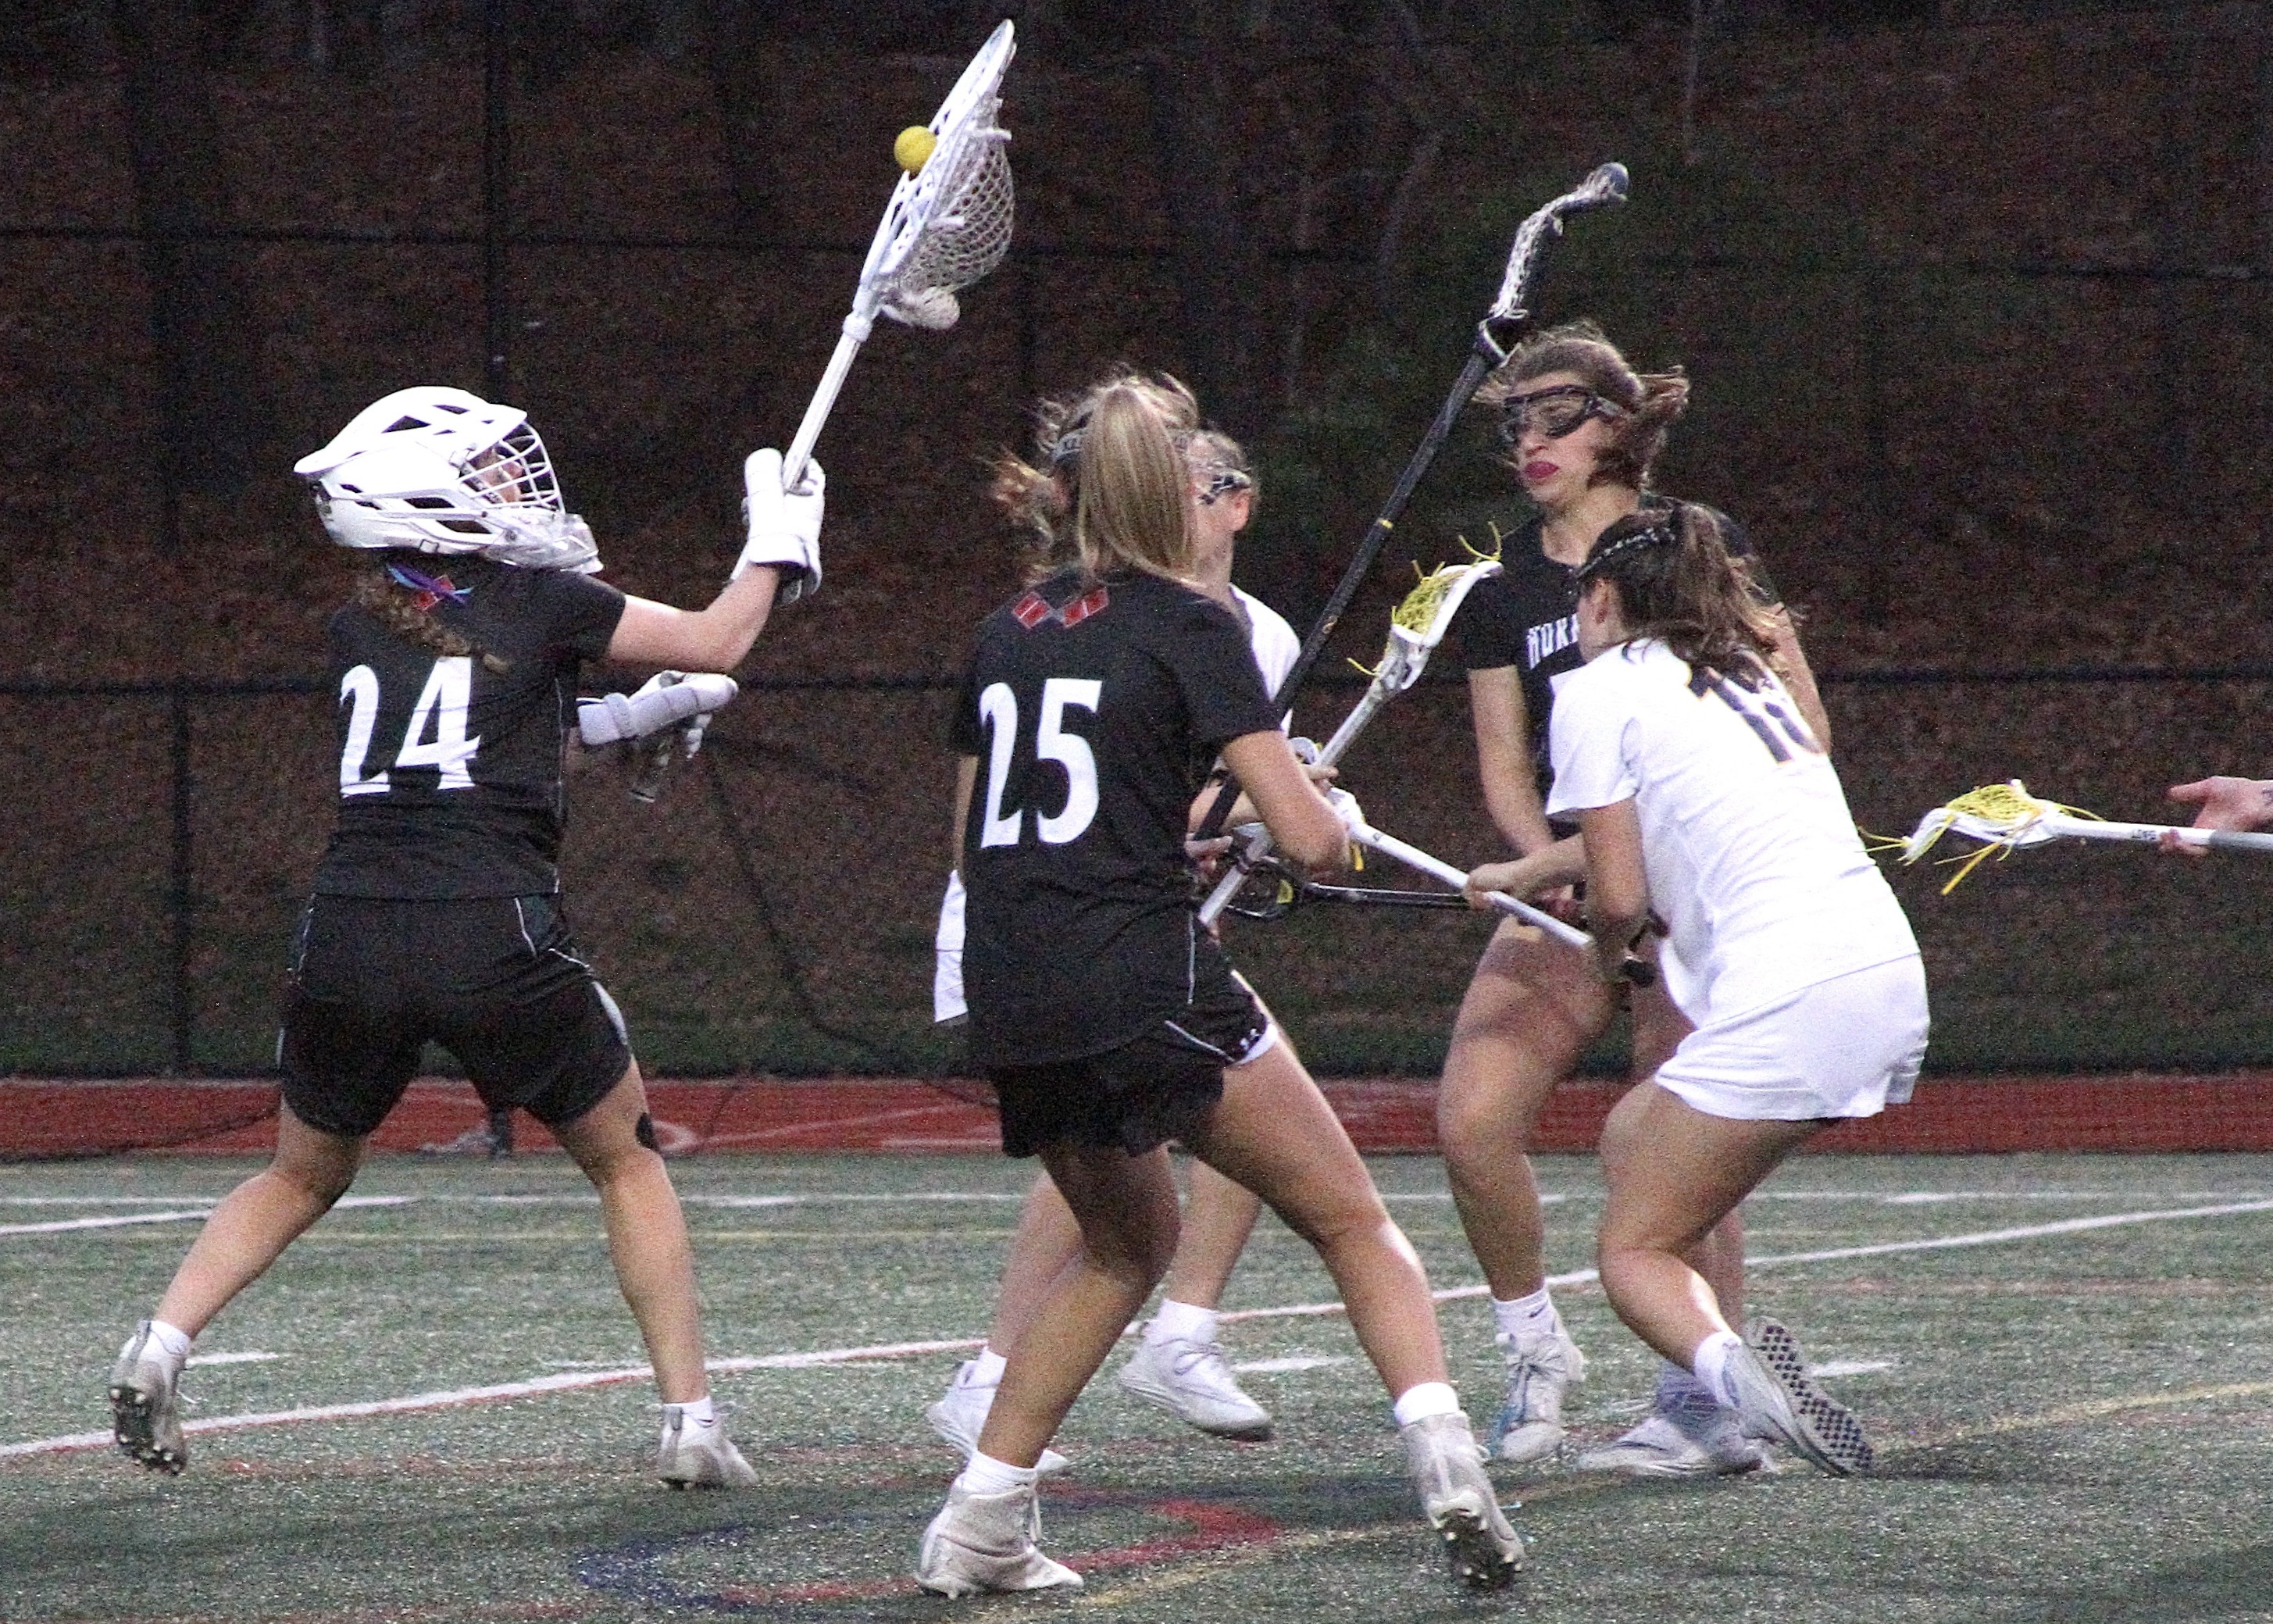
<point x="396" y="608"/>
<point x="1647" y="402"/>
<point x="1678" y="582"/>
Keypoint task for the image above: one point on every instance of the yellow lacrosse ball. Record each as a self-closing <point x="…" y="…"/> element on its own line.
<point x="913" y="149"/>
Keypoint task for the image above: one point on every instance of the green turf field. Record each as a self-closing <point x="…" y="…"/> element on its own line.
<point x="2074" y="1425"/>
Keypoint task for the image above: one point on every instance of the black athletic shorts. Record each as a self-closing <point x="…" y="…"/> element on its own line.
<point x="497" y="981"/>
<point x="1159" y="1086"/>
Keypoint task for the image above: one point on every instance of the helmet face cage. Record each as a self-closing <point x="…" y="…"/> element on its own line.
<point x="441" y="470"/>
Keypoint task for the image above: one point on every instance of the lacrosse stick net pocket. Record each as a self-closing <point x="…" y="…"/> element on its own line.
<point x="965" y="237"/>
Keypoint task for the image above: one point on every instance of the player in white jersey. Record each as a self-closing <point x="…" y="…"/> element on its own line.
<point x="1179" y="1367"/>
<point x="1708" y="808"/>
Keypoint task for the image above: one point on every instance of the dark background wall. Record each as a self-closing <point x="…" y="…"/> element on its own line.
<point x="1977" y="298"/>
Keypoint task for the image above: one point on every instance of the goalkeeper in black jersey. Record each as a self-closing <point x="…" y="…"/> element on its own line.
<point x="1110" y="1022"/>
<point x="437" y="913"/>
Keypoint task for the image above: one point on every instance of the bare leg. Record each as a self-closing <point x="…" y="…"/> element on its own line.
<point x="1658" y="1028"/>
<point x="263" y="1215"/>
<point x="1218" y="1219"/>
<point x="647" y="1234"/>
<point x="1047" y="1244"/>
<point x="1274" y="1133"/>
<point x="1529" y="1014"/>
<point x="1126" y="1206"/>
<point x="1674" y="1173"/>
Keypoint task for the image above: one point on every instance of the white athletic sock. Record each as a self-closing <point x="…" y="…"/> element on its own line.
<point x="698" y="1412"/>
<point x="1526" y="1314"/>
<point x="172" y="1341"/>
<point x="1181" y="1321"/>
<point x="986" y="1475"/>
<point x="986" y="1369"/>
<point x="1424" y="1399"/>
<point x="1711" y="1363"/>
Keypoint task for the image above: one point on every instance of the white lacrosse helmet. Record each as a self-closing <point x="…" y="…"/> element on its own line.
<point x="445" y="471"/>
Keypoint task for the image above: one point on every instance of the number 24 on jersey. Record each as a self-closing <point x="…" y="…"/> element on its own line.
<point x="442" y="705"/>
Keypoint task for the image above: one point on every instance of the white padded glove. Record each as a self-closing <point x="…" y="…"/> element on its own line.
<point x="1347" y="809"/>
<point x="668" y="699"/>
<point x="785" y="526"/>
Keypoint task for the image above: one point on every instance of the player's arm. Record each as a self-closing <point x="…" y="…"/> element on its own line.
<point x="784" y="544"/>
<point x="1504" y="757"/>
<point x="1302" y="823"/>
<point x="1789" y="663"/>
<point x="1617" y="884"/>
<point x="712" y="639"/>
<point x="966" y="777"/>
<point x="1550" y="868"/>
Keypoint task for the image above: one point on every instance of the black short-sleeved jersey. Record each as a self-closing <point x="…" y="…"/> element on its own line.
<point x="1095" y="709"/>
<point x="450" y="773"/>
<point x="1527" y="617"/>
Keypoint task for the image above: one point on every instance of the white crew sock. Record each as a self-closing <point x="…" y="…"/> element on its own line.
<point x="1711" y="1363"/>
<point x="171" y="1341"/>
<point x="986" y="1369"/>
<point x="1181" y="1321"/>
<point x="698" y="1412"/>
<point x="1526" y="1315"/>
<point x="986" y="1475"/>
<point x="1424" y="1399"/>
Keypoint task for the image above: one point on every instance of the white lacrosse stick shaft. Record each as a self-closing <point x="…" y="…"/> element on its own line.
<point x="958" y="122"/>
<point x="1436" y="868"/>
<point x="1402" y="663"/>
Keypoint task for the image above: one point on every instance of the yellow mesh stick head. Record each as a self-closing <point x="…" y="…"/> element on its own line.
<point x="2002" y="816"/>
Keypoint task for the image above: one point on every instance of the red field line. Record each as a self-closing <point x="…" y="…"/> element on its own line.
<point x="2137" y="1112"/>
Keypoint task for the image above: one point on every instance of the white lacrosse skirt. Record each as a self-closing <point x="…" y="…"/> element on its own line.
<point x="1848" y="1047"/>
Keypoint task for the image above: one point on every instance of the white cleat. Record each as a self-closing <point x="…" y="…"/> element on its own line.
<point x="146" y="1405"/>
<point x="1777" y="1399"/>
<point x="1542" y="1366"/>
<point x="699" y="1457"/>
<point x="1458" y="1499"/>
<point x="987" y="1543"/>
<point x="1685" y="1444"/>
<point x="960" y="1415"/>
<point x="1191" y="1381"/>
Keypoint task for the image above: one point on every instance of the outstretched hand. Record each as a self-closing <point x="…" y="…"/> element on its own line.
<point x="2227" y="803"/>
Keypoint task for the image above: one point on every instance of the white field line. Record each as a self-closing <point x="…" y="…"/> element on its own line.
<point x="198" y="1361"/>
<point x="115" y="1219"/>
<point x="570" y="1380"/>
<point x="1984" y="1237"/>
<point x="817" y="1198"/>
<point x="58" y="1225"/>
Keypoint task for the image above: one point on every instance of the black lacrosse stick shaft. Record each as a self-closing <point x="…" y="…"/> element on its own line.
<point x="1485" y="356"/>
<point x="1495" y="336"/>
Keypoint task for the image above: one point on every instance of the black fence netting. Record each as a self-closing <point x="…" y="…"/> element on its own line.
<point x="1985" y="375"/>
<point x="774" y="910"/>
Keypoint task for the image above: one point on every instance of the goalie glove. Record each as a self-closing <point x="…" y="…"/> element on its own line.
<point x="668" y="699"/>
<point x="785" y="526"/>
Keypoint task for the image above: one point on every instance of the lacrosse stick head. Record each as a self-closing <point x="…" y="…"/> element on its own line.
<point x="1995" y="815"/>
<point x="1605" y="186"/>
<point x="949" y="224"/>
<point x="1417" y="625"/>
<point x="441" y="470"/>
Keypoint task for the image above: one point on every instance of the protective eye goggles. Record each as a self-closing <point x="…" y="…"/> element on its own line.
<point x="1220" y="483"/>
<point x="1554" y="412"/>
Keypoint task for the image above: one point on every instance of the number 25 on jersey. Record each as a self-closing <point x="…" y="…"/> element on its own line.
<point x="998" y="708"/>
<point x="442" y="705"/>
